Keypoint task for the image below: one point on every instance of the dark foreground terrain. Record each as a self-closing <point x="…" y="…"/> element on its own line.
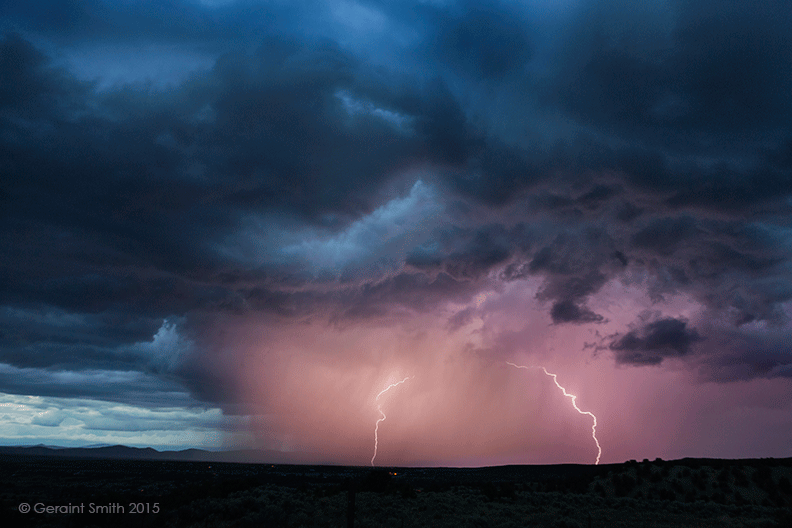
<point x="64" y="491"/>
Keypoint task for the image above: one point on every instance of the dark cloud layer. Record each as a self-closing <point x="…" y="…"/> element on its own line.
<point x="689" y="73"/>
<point x="664" y="150"/>
<point x="649" y="345"/>
<point x="483" y="41"/>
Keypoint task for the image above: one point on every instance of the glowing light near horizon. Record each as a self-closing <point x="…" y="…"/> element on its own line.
<point x="574" y="404"/>
<point x="379" y="408"/>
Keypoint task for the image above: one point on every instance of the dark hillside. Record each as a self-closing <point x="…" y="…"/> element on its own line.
<point x="689" y="492"/>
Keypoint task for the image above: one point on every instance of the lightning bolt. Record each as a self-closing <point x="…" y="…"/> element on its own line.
<point x="379" y="408"/>
<point x="574" y="404"/>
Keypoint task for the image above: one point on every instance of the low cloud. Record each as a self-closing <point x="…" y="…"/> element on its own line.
<point x="655" y="341"/>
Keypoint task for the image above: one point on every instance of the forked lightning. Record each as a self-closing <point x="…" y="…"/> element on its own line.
<point x="574" y="404"/>
<point x="379" y="408"/>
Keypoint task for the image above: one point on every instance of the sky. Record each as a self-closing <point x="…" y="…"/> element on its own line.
<point x="231" y="224"/>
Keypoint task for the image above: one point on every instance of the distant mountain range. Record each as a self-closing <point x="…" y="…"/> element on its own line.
<point x="147" y="453"/>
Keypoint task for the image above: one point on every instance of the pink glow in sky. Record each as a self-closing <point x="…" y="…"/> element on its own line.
<point x="314" y="386"/>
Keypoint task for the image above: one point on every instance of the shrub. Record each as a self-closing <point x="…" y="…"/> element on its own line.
<point x="489" y="490"/>
<point x="762" y="476"/>
<point x="783" y="517"/>
<point x="406" y="492"/>
<point x="676" y="485"/>
<point x="740" y="479"/>
<point x="507" y="489"/>
<point x="377" y="480"/>
<point x="784" y="486"/>
<point x="777" y="499"/>
<point x="666" y="494"/>
<point x="566" y="522"/>
<point x="598" y="489"/>
<point x="698" y="481"/>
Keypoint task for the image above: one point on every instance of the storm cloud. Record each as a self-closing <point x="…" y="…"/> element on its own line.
<point x="656" y="340"/>
<point x="191" y="189"/>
